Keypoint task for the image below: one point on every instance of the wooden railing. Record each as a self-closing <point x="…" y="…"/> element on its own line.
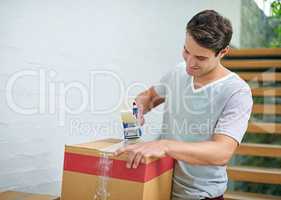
<point x="258" y="66"/>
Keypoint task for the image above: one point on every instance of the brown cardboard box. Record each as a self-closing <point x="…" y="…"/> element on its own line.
<point x="83" y="176"/>
<point x="13" y="195"/>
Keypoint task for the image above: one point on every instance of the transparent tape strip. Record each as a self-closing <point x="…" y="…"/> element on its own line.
<point x="105" y="165"/>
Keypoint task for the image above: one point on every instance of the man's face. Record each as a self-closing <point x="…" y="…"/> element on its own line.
<point x="199" y="60"/>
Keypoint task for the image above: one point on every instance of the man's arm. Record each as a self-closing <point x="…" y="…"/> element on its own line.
<point x="218" y="151"/>
<point x="229" y="131"/>
<point x="149" y="99"/>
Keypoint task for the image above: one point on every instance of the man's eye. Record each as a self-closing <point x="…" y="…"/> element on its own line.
<point x="185" y="50"/>
<point x="201" y="58"/>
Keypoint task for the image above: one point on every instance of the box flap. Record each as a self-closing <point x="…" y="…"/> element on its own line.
<point x="99" y="144"/>
<point x="95" y="148"/>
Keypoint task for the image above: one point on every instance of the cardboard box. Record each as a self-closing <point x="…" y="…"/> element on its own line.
<point x="13" y="195"/>
<point x="85" y="178"/>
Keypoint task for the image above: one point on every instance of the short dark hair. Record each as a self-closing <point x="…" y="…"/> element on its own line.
<point x="210" y="30"/>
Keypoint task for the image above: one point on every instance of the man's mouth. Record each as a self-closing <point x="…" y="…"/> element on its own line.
<point x="194" y="68"/>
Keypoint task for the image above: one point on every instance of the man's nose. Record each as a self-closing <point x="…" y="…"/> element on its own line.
<point x="191" y="61"/>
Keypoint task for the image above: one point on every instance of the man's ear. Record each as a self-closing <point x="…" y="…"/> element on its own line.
<point x="224" y="51"/>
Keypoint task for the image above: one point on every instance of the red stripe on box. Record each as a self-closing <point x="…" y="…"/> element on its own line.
<point x="91" y="165"/>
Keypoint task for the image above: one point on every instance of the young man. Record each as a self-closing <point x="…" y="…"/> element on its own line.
<point x="206" y="112"/>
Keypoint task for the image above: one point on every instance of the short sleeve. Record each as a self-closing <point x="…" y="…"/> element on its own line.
<point x="233" y="121"/>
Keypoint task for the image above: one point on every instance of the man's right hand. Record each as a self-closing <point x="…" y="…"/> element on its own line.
<point x="145" y="101"/>
<point x="140" y="116"/>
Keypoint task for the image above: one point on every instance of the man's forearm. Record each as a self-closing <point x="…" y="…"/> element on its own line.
<point x="199" y="153"/>
<point x="148" y="100"/>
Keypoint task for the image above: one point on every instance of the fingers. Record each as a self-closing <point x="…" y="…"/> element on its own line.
<point x="135" y="155"/>
<point x="130" y="159"/>
<point x="140" y="116"/>
<point x="137" y="160"/>
<point x="141" y="120"/>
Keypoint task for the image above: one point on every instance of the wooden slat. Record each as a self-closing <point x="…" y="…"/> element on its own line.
<point x="258" y="52"/>
<point x="254" y="174"/>
<point x="251" y="149"/>
<point x="257" y="59"/>
<point x="251" y="64"/>
<point x="266" y="109"/>
<point x="248" y="196"/>
<point x="259" y="76"/>
<point x="264" y="128"/>
<point x="267" y="92"/>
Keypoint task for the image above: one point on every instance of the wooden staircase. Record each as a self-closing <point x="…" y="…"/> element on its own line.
<point x="258" y="66"/>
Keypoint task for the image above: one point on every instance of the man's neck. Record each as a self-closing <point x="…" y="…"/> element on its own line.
<point x="217" y="73"/>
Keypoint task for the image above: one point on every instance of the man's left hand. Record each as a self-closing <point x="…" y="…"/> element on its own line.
<point x="138" y="152"/>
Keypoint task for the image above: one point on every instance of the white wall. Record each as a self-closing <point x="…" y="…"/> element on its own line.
<point x="65" y="40"/>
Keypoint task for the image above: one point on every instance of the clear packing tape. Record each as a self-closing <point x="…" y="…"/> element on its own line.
<point x="105" y="165"/>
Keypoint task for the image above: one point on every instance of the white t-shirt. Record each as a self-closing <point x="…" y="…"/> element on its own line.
<point x="223" y="106"/>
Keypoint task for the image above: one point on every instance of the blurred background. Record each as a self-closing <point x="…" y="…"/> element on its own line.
<point x="67" y="67"/>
